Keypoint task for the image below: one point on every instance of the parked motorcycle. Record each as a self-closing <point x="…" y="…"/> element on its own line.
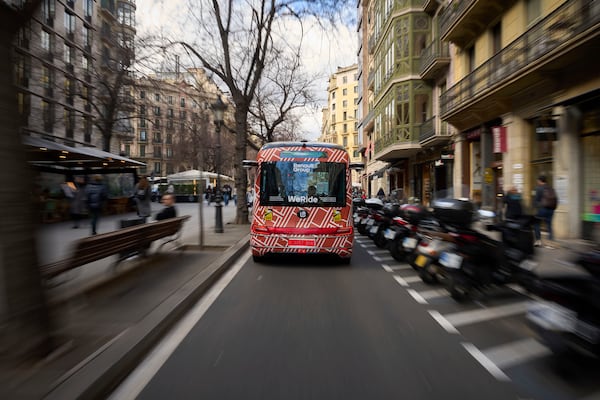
<point x="402" y="234"/>
<point x="383" y="219"/>
<point x="478" y="261"/>
<point x="363" y="219"/>
<point x="568" y="316"/>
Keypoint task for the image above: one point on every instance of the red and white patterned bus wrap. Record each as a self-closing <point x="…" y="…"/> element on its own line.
<point x="302" y="229"/>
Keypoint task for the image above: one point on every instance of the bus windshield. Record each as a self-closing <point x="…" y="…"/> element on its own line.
<point x="303" y="183"/>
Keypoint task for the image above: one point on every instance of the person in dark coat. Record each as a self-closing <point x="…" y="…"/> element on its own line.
<point x="143" y="197"/>
<point x="78" y="203"/>
<point x="169" y="211"/>
<point x="96" y="196"/>
<point x="512" y="200"/>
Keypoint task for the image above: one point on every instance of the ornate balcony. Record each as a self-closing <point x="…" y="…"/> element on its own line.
<point x="435" y="59"/>
<point x="561" y="40"/>
<point x="402" y="142"/>
<point x="431" y="135"/>
<point x="462" y="21"/>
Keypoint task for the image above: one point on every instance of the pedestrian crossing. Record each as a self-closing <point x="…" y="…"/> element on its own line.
<point x="481" y="324"/>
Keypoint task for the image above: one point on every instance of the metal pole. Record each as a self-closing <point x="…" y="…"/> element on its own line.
<point x="218" y="198"/>
<point x="201" y="187"/>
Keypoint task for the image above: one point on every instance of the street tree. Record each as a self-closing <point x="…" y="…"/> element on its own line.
<point x="24" y="318"/>
<point x="235" y="41"/>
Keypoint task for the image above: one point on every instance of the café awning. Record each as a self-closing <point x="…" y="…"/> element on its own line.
<point x="52" y="154"/>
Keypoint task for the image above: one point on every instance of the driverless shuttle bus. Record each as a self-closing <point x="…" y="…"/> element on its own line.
<point x="303" y="200"/>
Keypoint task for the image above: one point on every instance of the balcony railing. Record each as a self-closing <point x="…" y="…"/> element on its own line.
<point x="427" y="130"/>
<point x="436" y="53"/>
<point x="399" y="135"/>
<point x="537" y="44"/>
<point x="452" y="13"/>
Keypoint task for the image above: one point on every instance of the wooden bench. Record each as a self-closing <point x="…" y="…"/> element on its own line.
<point x="131" y="240"/>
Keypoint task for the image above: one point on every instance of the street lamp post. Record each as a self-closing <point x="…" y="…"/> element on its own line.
<point x="218" y="108"/>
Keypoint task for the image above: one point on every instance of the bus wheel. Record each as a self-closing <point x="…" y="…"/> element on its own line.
<point x="345" y="260"/>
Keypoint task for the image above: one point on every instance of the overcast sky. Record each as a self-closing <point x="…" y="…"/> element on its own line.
<point x="322" y="53"/>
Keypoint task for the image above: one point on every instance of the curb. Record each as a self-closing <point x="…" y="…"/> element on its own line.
<point x="107" y="367"/>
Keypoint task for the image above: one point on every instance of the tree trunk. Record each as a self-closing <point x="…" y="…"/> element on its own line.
<point x="241" y="181"/>
<point x="24" y="318"/>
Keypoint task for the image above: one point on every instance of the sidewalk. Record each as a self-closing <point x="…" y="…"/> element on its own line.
<point x="104" y="330"/>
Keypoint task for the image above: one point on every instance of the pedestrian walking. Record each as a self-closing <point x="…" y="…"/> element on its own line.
<point x="234" y="195"/>
<point x="380" y="194"/>
<point x="143" y="198"/>
<point x="78" y="207"/>
<point x="208" y="194"/>
<point x="169" y="211"/>
<point x="545" y="201"/>
<point x="226" y="193"/>
<point x="512" y="201"/>
<point x="96" y="196"/>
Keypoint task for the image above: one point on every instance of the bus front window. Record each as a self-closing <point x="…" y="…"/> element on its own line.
<point x="302" y="183"/>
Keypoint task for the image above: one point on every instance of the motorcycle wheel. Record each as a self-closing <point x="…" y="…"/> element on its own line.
<point x="427" y="277"/>
<point x="380" y="240"/>
<point x="362" y="229"/>
<point x="457" y="288"/>
<point x="397" y="249"/>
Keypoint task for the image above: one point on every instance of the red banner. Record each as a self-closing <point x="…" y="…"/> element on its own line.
<point x="499" y="135"/>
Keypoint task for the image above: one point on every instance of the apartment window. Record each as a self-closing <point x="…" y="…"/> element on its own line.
<point x="142" y="123"/>
<point x="69" y="122"/>
<point x="48" y="9"/>
<point x="471" y="59"/>
<point x="142" y="150"/>
<point x="24" y="104"/>
<point x="182" y="102"/>
<point x="345" y="141"/>
<point x="496" y="38"/>
<point x="182" y="114"/>
<point x="88" y="8"/>
<point x="46" y="40"/>
<point x="69" y="22"/>
<point x="345" y="103"/>
<point x="68" y="54"/>
<point x="355" y="125"/>
<point x="142" y="109"/>
<point x="333" y="119"/>
<point x="126" y="14"/>
<point x="48" y="115"/>
<point x="157" y="110"/>
<point x="157" y="151"/>
<point x="345" y="92"/>
<point x="534" y="10"/>
<point x="344" y="79"/>
<point x="333" y="107"/>
<point x="170" y="124"/>
<point x="47" y="77"/>
<point x="355" y="153"/>
<point x="345" y="116"/>
<point x="157" y="137"/>
<point x="157" y="123"/>
<point x="142" y="94"/>
<point x="170" y="169"/>
<point x="143" y="136"/>
<point x="156" y="96"/>
<point x="355" y="89"/>
<point x="85" y="63"/>
<point x="169" y="152"/>
<point x="69" y="89"/>
<point x="87" y="129"/>
<point x="355" y="101"/>
<point x="356" y="140"/>
<point x="355" y="114"/>
<point x="332" y="95"/>
<point x="170" y="113"/>
<point x="128" y="150"/>
<point x="170" y="99"/>
<point x="169" y="138"/>
<point x="345" y="129"/>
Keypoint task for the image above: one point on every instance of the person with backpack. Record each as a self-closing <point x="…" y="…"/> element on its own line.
<point x="96" y="196"/>
<point x="545" y="201"/>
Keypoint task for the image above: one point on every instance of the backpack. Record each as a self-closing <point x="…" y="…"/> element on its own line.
<point x="549" y="198"/>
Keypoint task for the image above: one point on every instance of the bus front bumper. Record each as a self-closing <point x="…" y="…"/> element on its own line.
<point x="339" y="244"/>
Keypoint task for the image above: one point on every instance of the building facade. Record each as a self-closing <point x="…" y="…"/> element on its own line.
<point x="340" y="117"/>
<point x="511" y="95"/>
<point x="173" y="124"/>
<point x="58" y="57"/>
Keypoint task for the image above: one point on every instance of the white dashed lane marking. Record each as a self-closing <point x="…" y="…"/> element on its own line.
<point x="474" y="316"/>
<point x="486" y="362"/>
<point x="517" y="352"/>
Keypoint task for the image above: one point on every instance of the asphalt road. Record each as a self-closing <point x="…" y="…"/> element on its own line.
<point x="309" y="328"/>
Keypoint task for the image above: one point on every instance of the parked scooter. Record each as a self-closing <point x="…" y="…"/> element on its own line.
<point x="363" y="219"/>
<point x="402" y="234"/>
<point x="383" y="219"/>
<point x="568" y="316"/>
<point x="477" y="260"/>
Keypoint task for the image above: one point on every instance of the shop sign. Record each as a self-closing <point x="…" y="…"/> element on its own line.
<point x="499" y="137"/>
<point x="447" y="155"/>
<point x="545" y="130"/>
<point x="488" y="175"/>
<point x="473" y="134"/>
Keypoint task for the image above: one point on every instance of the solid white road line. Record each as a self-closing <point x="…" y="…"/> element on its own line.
<point x="386" y="268"/>
<point x="474" y="316"/>
<point x="433" y="293"/>
<point x="401" y="281"/>
<point x="383" y="258"/>
<point x="417" y="296"/>
<point x="143" y="374"/>
<point x="375" y="252"/>
<point x="517" y="352"/>
<point x="486" y="362"/>
<point x="443" y="321"/>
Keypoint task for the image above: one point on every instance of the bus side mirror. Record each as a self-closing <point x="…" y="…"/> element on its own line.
<point x="358" y="166"/>
<point x="249" y="164"/>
